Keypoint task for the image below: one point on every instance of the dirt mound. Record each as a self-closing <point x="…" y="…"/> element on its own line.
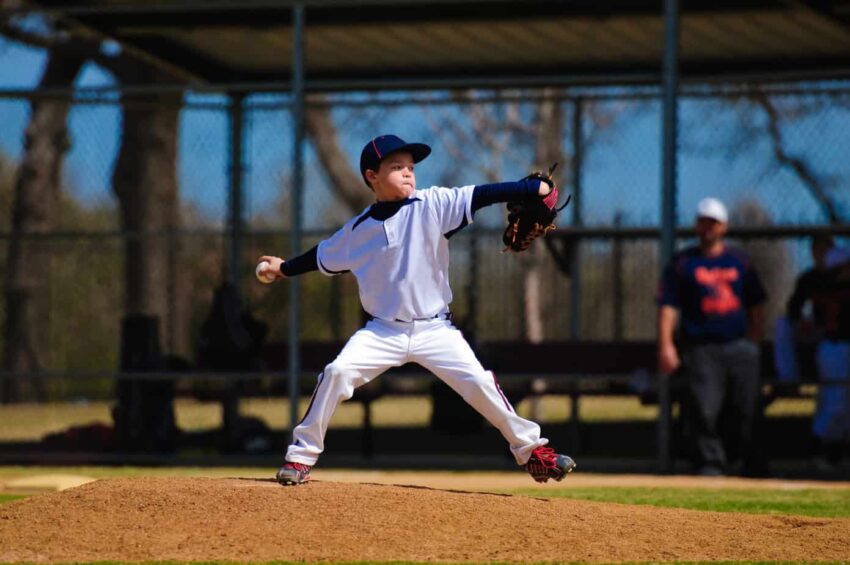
<point x="257" y="520"/>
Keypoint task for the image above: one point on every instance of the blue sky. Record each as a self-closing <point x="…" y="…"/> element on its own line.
<point x="621" y="174"/>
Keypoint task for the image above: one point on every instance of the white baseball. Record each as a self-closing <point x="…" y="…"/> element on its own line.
<point x="267" y="278"/>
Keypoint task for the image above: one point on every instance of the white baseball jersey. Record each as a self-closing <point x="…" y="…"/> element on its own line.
<point x="399" y="253"/>
<point x="402" y="262"/>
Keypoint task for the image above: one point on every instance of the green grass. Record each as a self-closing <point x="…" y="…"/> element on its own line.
<point x="31" y="422"/>
<point x="9" y="497"/>
<point x="832" y="503"/>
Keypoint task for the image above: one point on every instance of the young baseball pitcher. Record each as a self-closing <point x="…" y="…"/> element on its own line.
<point x="398" y="251"/>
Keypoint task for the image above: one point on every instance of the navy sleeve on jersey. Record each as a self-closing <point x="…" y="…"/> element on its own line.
<point x="487" y="194"/>
<point x="304" y="263"/>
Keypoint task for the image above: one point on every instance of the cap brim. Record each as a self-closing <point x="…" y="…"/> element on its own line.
<point x="417" y="150"/>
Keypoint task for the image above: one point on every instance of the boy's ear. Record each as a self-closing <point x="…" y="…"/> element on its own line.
<point x="371" y="176"/>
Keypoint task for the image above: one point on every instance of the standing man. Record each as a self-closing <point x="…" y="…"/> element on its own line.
<point x="713" y="295"/>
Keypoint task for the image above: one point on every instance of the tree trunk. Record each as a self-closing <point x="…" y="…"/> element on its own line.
<point x="155" y="304"/>
<point x="550" y="119"/>
<point x="145" y="181"/>
<point x="36" y="197"/>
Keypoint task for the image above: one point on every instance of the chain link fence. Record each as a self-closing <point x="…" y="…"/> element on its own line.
<point x="776" y="158"/>
<point x="774" y="154"/>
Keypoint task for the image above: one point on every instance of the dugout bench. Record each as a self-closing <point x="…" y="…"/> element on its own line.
<point x="572" y="369"/>
<point x="568" y="368"/>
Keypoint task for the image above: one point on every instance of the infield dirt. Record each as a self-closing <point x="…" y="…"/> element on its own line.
<point x="190" y="519"/>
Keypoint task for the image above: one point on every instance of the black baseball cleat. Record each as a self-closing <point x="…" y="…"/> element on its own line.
<point x="293" y="474"/>
<point x="545" y="464"/>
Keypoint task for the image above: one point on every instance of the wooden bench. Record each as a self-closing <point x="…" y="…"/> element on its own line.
<point x="573" y="369"/>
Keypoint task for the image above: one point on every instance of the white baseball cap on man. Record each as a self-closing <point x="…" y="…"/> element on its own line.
<point x="712" y="208"/>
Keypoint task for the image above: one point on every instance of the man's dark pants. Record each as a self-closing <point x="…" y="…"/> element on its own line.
<point x="721" y="378"/>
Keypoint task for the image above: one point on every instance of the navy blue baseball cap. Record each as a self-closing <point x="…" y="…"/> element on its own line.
<point x="377" y="150"/>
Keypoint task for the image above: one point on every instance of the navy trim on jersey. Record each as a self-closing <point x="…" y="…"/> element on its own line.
<point x="325" y="269"/>
<point x="319" y="382"/>
<point x="463" y="224"/>
<point x="302" y="264"/>
<point x="384" y="210"/>
<point x="362" y="217"/>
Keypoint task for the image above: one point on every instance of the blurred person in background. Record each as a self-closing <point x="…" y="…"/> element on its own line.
<point x="710" y="324"/>
<point x="804" y="318"/>
<point x="825" y="290"/>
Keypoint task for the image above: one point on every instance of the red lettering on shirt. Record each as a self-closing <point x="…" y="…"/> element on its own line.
<point x="720" y="299"/>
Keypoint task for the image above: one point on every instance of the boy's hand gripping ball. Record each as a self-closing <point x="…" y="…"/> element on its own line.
<point x="262" y="274"/>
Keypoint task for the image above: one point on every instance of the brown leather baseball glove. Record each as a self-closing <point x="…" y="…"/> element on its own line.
<point x="535" y="216"/>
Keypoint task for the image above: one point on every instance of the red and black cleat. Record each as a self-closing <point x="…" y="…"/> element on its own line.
<point x="293" y="474"/>
<point x="545" y="464"/>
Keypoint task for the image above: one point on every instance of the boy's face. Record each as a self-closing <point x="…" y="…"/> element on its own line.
<point x="394" y="179"/>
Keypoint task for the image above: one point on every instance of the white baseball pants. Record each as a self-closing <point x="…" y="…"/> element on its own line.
<point x="436" y="345"/>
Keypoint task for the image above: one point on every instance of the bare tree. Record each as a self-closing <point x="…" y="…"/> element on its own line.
<point x="548" y="150"/>
<point x="35" y="206"/>
<point x="804" y="170"/>
<point x="145" y="182"/>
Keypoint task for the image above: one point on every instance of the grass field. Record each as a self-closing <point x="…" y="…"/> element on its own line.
<point x="30" y="422"/>
<point x="834" y="503"/>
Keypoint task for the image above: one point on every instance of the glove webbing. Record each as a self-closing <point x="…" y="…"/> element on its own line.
<point x="532" y="234"/>
<point x="538" y="229"/>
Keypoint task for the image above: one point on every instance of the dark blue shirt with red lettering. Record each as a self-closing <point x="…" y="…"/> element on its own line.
<point x="712" y="294"/>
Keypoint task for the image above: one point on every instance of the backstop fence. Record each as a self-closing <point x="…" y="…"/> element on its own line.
<point x="776" y="154"/>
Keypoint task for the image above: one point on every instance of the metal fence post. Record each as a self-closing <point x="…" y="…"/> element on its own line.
<point x="235" y="198"/>
<point x="575" y="265"/>
<point x="617" y="276"/>
<point x="669" y="124"/>
<point x="669" y="114"/>
<point x="297" y="205"/>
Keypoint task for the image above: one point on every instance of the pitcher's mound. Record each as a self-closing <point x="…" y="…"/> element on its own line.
<point x="194" y="519"/>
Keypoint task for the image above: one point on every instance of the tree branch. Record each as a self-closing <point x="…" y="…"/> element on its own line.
<point x="13" y="32"/>
<point x="796" y="164"/>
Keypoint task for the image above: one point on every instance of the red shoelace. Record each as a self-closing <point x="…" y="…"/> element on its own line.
<point x="545" y="455"/>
